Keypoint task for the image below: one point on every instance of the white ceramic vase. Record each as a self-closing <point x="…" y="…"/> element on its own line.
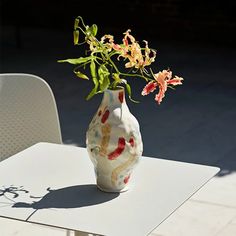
<point x="114" y="142"/>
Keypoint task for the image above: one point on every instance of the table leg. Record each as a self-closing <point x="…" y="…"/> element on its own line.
<point x="78" y="233"/>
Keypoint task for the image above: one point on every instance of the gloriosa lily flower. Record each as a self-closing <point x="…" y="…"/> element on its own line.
<point x="163" y="79"/>
<point x="150" y="55"/>
<point x="108" y="40"/>
<point x="133" y="52"/>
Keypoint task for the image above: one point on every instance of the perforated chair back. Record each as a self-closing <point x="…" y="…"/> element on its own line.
<point x="28" y="113"/>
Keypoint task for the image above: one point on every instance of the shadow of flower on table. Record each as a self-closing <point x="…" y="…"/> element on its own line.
<point x="8" y="194"/>
<point x="12" y="190"/>
<point x="69" y="197"/>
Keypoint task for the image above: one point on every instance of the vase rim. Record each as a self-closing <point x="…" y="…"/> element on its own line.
<point x="118" y="88"/>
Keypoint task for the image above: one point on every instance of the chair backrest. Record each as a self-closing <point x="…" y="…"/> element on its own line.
<point x="28" y="113"/>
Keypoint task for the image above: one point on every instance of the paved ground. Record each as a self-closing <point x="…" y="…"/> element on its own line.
<point x="196" y="123"/>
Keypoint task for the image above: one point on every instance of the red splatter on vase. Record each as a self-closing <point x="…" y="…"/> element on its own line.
<point x="105" y="116"/>
<point x="121" y="96"/>
<point x="126" y="179"/>
<point x="118" y="151"/>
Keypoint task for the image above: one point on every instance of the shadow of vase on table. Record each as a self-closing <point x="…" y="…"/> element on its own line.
<point x="70" y="197"/>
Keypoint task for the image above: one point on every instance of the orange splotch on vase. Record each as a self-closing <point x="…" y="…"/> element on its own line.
<point x="106" y="131"/>
<point x="121" y="146"/>
<point x="121" y="96"/>
<point x="126" y="179"/>
<point x="99" y="113"/>
<point x="105" y="116"/>
<point x="118" y="170"/>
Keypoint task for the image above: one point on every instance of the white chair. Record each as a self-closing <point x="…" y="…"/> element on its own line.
<point x="28" y="114"/>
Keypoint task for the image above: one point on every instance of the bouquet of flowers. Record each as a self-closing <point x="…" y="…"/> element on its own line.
<point x="102" y="57"/>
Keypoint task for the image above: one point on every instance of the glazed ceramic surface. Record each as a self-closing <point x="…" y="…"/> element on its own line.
<point x="114" y="142"/>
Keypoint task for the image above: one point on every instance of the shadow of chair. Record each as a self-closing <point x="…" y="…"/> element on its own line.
<point x="28" y="115"/>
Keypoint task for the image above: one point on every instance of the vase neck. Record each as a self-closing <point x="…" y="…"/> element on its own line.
<point x="114" y="97"/>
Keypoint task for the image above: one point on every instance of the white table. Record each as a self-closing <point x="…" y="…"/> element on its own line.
<point x="62" y="193"/>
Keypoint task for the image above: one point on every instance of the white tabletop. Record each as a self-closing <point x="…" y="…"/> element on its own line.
<point x="62" y="193"/>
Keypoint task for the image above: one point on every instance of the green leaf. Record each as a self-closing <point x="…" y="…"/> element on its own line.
<point x="76" y="61"/>
<point x="92" y="93"/>
<point x="103" y="74"/>
<point x="128" y="88"/>
<point x="81" y="75"/>
<point x="95" y="80"/>
<point x="117" y="78"/>
<point x="105" y="84"/>
<point x="76" y="36"/>
<point x="92" y="30"/>
<point x="76" y="24"/>
<point x="100" y="75"/>
<point x="93" y="69"/>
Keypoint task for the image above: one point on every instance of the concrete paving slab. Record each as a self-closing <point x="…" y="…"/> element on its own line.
<point x="17" y="228"/>
<point x="229" y="230"/>
<point x="10" y="227"/>
<point x="220" y="190"/>
<point x="234" y="221"/>
<point x="195" y="218"/>
<point x="41" y="230"/>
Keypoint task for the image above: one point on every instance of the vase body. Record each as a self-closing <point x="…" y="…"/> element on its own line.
<point x="114" y="142"/>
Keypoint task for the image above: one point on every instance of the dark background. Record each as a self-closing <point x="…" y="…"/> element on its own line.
<point x="196" y="39"/>
<point x="182" y="20"/>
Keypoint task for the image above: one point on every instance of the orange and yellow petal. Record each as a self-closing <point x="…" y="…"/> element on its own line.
<point x="160" y="95"/>
<point x="175" y="81"/>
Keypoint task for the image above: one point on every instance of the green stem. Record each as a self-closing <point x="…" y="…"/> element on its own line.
<point x="146" y="72"/>
<point x="82" y="30"/>
<point x="135" y="75"/>
<point x="113" y="64"/>
<point x="95" y="56"/>
<point x="80" y="17"/>
<point x="113" y="53"/>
